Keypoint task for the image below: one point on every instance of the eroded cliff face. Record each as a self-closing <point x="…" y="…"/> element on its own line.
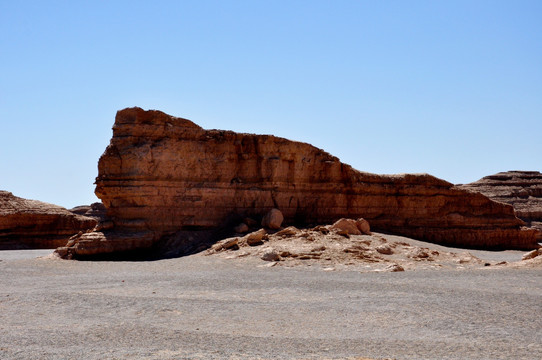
<point x="521" y="189"/>
<point x="161" y="174"/>
<point x="31" y="224"/>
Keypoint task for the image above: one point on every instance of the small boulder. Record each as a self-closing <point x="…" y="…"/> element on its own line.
<point x="363" y="226"/>
<point x="270" y="255"/>
<point x="321" y="228"/>
<point x="417" y="253"/>
<point x="289" y="231"/>
<point x="394" y="268"/>
<point x="230" y="243"/>
<point x="241" y="228"/>
<point x="273" y="219"/>
<point x="531" y="254"/>
<point x="384" y="249"/>
<point x="346" y="227"/>
<point x="255" y="238"/>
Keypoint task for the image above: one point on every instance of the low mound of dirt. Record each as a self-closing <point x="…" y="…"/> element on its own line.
<point x="333" y="249"/>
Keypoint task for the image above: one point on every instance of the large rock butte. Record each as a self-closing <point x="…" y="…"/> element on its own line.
<point x="521" y="189"/>
<point x="34" y="224"/>
<point x="162" y="174"/>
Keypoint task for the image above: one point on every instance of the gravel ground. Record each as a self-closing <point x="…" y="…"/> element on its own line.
<point x="203" y="307"/>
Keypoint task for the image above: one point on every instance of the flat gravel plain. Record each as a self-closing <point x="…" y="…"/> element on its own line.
<point x="201" y="307"/>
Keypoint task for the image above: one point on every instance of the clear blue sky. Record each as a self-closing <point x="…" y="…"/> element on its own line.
<point x="450" y="88"/>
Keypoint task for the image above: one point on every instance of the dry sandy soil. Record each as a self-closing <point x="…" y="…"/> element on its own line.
<point x="226" y="306"/>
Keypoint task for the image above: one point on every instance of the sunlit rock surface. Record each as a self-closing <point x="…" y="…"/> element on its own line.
<point x="162" y="174"/>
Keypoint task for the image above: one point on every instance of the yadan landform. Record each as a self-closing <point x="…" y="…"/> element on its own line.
<point x="169" y="188"/>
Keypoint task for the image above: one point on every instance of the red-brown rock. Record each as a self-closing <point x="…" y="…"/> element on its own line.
<point x="34" y="224"/>
<point x="363" y="226"/>
<point x="273" y="219"/>
<point x="347" y="226"/>
<point x="521" y="189"/>
<point x="161" y="174"/>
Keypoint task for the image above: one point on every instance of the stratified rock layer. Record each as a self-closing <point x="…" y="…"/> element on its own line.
<point x="521" y="189"/>
<point x="34" y="224"/>
<point x="161" y="174"/>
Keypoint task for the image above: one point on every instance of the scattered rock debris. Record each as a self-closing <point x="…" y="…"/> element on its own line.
<point x="343" y="245"/>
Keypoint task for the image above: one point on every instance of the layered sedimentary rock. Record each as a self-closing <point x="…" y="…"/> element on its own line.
<point x="161" y="174"/>
<point x="95" y="210"/>
<point x="521" y="189"/>
<point x="35" y="224"/>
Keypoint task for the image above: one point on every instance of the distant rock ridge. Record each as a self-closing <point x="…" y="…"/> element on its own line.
<point x="162" y="174"/>
<point x="95" y="210"/>
<point x="32" y="224"/>
<point x="521" y="189"/>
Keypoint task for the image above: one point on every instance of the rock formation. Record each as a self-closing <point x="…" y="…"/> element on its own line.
<point x="95" y="210"/>
<point x="161" y="174"/>
<point x="34" y="224"/>
<point x="521" y="189"/>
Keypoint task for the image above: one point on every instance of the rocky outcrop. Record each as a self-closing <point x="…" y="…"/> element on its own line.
<point x="342" y="246"/>
<point x="161" y="174"/>
<point x="95" y="210"/>
<point x="521" y="189"/>
<point x="34" y="224"/>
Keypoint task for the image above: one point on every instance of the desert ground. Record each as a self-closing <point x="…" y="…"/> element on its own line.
<point x="224" y="306"/>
